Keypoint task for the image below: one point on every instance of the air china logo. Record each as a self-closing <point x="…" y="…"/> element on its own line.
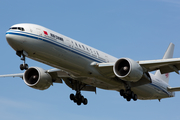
<point x="45" y="32"/>
<point x="167" y="75"/>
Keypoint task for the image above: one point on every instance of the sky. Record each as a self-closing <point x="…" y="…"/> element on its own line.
<point x="137" y="29"/>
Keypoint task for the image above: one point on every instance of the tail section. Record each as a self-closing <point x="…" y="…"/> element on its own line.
<point x="168" y="54"/>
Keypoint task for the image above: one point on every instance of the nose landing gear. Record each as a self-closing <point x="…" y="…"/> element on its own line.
<point x="23" y="55"/>
<point x="23" y="66"/>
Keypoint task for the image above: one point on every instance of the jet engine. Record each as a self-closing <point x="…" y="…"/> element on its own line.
<point x="37" y="78"/>
<point x="128" y="70"/>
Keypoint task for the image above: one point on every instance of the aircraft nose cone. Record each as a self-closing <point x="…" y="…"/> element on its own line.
<point x="9" y="38"/>
<point x="13" y="41"/>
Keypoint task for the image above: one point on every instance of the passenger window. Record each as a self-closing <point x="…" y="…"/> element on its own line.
<point x="94" y="52"/>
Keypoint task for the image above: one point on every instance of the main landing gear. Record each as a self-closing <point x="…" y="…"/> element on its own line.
<point x="78" y="98"/>
<point x="128" y="94"/>
<point x="23" y="55"/>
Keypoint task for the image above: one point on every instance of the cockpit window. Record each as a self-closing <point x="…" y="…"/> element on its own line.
<point x="17" y="28"/>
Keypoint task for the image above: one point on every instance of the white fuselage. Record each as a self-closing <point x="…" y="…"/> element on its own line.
<point x="62" y="52"/>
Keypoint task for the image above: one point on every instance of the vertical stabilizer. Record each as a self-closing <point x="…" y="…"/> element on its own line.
<point x="168" y="54"/>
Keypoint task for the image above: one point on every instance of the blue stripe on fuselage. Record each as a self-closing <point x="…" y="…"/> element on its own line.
<point x="160" y="88"/>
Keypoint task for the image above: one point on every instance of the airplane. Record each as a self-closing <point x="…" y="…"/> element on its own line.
<point x="84" y="68"/>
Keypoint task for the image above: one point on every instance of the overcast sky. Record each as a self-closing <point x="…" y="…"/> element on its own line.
<point x="138" y="29"/>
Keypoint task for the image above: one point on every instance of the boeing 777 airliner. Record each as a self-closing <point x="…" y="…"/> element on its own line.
<point x="82" y="67"/>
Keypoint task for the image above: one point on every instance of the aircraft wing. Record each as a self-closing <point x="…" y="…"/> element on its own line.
<point x="57" y="76"/>
<point x="164" y="65"/>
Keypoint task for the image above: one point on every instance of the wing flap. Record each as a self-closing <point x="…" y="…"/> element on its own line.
<point x="106" y="69"/>
<point x="58" y="74"/>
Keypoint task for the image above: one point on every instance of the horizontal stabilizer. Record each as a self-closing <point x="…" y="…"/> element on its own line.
<point x="13" y="75"/>
<point x="173" y="89"/>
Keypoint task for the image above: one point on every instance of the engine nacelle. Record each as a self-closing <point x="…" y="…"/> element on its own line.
<point x="128" y="70"/>
<point x="37" y="78"/>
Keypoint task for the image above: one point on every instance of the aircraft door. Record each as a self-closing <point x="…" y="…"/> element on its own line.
<point x="72" y="44"/>
<point x="107" y="60"/>
<point x="68" y="43"/>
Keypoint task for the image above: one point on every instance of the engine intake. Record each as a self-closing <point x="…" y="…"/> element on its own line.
<point x="37" y="78"/>
<point x="128" y="70"/>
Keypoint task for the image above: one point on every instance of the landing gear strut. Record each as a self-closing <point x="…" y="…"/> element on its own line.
<point x="23" y="55"/>
<point x="23" y="66"/>
<point x="128" y="94"/>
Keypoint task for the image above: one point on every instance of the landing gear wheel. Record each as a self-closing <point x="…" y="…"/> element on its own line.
<point x="82" y="98"/>
<point x="132" y="94"/>
<point x="122" y="92"/>
<point x="85" y="101"/>
<point x="135" y="97"/>
<point x="72" y="96"/>
<point x="24" y="66"/>
<point x="78" y="102"/>
<point x="128" y="99"/>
